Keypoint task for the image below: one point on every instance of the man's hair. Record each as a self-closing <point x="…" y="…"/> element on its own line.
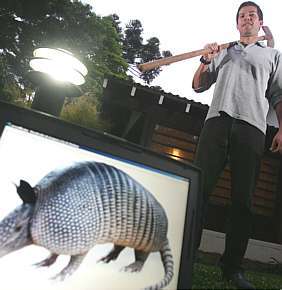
<point x="250" y="3"/>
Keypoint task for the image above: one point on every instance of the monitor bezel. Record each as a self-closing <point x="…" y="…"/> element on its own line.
<point x="106" y="143"/>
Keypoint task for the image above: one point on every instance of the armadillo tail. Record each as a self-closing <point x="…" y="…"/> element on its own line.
<point x="167" y="260"/>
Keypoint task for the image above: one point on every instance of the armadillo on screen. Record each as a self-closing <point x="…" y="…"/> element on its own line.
<point x="72" y="209"/>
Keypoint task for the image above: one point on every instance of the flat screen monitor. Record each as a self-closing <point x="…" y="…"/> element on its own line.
<point x="143" y="199"/>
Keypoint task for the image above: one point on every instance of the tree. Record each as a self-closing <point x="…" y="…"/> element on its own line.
<point x="99" y="42"/>
<point x="133" y="41"/>
<point x="71" y="25"/>
<point x="135" y="51"/>
<point x="85" y="112"/>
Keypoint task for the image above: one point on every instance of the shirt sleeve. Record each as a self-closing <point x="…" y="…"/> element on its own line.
<point x="274" y="93"/>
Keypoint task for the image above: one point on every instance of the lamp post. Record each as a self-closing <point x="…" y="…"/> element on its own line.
<point x="57" y="74"/>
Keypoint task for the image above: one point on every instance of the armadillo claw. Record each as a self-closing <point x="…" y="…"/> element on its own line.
<point x="47" y="262"/>
<point x="134" y="267"/>
<point x="61" y="276"/>
<point x="113" y="254"/>
<point x="106" y="259"/>
<point x="110" y="257"/>
<point x="72" y="266"/>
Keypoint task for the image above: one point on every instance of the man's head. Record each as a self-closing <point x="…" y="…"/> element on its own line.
<point x="249" y="19"/>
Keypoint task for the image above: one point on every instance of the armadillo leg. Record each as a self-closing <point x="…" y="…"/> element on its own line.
<point x="48" y="261"/>
<point x="140" y="258"/>
<point x="72" y="266"/>
<point x="113" y="254"/>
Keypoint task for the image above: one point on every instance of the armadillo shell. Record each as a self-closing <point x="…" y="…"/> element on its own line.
<point x="90" y="203"/>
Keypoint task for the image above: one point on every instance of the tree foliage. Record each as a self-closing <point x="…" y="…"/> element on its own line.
<point x="99" y="42"/>
<point x="85" y="112"/>
<point x="135" y="51"/>
<point x="71" y="25"/>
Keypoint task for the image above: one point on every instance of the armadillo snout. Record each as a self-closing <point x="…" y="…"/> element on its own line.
<point x="14" y="230"/>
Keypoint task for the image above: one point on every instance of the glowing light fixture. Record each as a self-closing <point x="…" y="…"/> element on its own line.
<point x="57" y="75"/>
<point x="59" y="64"/>
<point x="176" y="154"/>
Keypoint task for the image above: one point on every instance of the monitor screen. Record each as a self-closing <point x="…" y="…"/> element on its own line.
<point x="32" y="154"/>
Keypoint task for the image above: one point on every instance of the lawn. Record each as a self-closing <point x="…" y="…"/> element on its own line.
<point x="263" y="276"/>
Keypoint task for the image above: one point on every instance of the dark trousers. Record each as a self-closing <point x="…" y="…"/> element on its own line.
<point x="225" y="139"/>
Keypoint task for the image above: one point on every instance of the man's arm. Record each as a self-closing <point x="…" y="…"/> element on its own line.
<point x="198" y="77"/>
<point x="276" y="145"/>
<point x="200" y="81"/>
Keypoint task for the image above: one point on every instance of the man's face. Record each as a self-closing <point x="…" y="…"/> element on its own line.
<point x="248" y="21"/>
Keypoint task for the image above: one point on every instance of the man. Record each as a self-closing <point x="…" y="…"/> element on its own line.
<point x="248" y="79"/>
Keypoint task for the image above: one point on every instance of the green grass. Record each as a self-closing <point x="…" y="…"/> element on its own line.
<point x="209" y="277"/>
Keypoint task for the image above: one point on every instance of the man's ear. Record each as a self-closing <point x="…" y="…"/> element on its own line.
<point x="261" y="23"/>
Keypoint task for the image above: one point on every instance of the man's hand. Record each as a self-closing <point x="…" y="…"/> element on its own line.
<point x="214" y="49"/>
<point x="276" y="145"/>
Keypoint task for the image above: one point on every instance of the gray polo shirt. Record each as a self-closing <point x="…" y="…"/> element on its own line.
<point x="248" y="79"/>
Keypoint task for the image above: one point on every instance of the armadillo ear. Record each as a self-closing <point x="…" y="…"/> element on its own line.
<point x="26" y="192"/>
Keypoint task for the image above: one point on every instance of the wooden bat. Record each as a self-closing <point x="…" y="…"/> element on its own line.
<point x="175" y="58"/>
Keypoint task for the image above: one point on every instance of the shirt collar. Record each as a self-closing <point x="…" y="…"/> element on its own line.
<point x="261" y="44"/>
<point x="258" y="43"/>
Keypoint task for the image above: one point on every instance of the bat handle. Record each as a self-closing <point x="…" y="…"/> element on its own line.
<point x="143" y="67"/>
